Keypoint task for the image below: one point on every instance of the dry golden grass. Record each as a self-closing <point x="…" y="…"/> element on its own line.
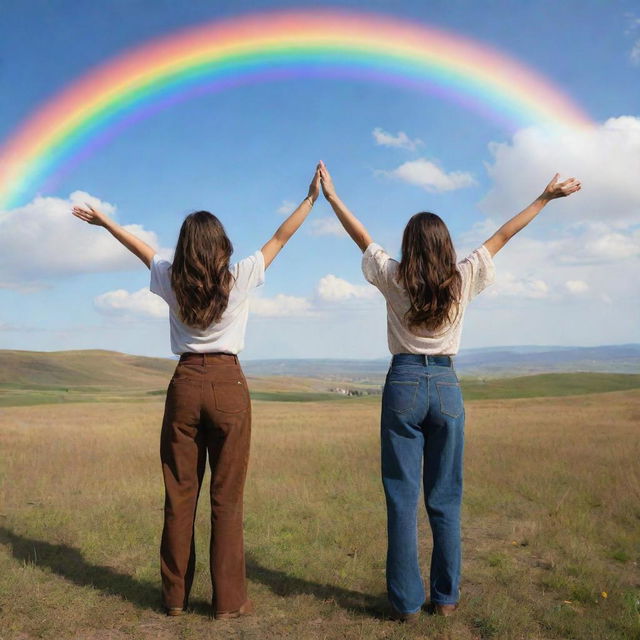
<point x="551" y="521"/>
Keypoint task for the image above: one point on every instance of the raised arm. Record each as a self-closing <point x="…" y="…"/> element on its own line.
<point x="139" y="248"/>
<point x="509" y="229"/>
<point x="292" y="223"/>
<point x="351" y="224"/>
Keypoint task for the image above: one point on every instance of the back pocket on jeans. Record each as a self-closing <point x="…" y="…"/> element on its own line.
<point x="450" y="398"/>
<point x="231" y="396"/>
<point x="400" y="395"/>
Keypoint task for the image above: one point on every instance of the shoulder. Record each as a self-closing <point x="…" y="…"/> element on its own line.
<point x="159" y="263"/>
<point x="160" y="268"/>
<point x="477" y="270"/>
<point x="375" y="251"/>
<point x="255" y="260"/>
<point x="377" y="265"/>
<point x="249" y="271"/>
<point x="160" y="277"/>
<point x="375" y="256"/>
<point x="478" y="258"/>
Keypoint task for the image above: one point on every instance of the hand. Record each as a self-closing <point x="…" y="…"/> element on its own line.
<point x="557" y="189"/>
<point x="314" y="187"/>
<point x="327" y="183"/>
<point x="90" y="215"/>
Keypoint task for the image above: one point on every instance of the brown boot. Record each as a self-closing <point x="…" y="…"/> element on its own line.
<point x="408" y="618"/>
<point x="245" y="610"/>
<point x="174" y="611"/>
<point x="445" y="610"/>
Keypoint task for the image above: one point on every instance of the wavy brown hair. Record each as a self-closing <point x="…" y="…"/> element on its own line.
<point x="200" y="275"/>
<point x="428" y="272"/>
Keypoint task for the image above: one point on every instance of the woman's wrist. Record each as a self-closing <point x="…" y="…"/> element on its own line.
<point x="310" y="199"/>
<point x="544" y="198"/>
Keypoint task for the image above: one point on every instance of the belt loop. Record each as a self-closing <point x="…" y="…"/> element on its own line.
<point x="235" y="357"/>
<point x="204" y="359"/>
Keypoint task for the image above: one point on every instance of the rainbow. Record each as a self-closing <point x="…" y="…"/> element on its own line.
<point x="262" y="47"/>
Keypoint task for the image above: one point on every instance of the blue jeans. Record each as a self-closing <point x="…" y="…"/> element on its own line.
<point x="422" y="439"/>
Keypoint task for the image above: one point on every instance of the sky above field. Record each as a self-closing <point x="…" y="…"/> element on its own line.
<point x="247" y="152"/>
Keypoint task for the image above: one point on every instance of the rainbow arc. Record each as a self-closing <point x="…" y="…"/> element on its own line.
<point x="264" y="47"/>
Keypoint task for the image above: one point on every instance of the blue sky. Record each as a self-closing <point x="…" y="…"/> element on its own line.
<point x="248" y="152"/>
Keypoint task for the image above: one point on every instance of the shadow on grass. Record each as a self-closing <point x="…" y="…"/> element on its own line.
<point x="69" y="563"/>
<point x="282" y="584"/>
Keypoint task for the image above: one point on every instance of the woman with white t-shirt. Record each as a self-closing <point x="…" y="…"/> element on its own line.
<point x="422" y="422"/>
<point x="208" y="409"/>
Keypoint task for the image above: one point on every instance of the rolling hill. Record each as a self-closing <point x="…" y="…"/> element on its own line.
<point x="29" y="378"/>
<point x="95" y="368"/>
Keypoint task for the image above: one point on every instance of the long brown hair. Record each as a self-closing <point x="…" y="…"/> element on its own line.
<point x="428" y="272"/>
<point x="200" y="275"/>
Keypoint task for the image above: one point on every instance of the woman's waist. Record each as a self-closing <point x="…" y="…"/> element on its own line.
<point x="208" y="358"/>
<point x="424" y="359"/>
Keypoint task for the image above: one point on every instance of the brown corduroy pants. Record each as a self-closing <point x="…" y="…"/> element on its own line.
<point x="208" y="410"/>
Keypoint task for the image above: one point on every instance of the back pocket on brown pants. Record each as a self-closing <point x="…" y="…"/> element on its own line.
<point x="231" y="396"/>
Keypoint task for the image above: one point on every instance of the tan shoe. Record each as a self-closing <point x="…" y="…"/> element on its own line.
<point x="445" y="610"/>
<point x="408" y="618"/>
<point x="245" y="610"/>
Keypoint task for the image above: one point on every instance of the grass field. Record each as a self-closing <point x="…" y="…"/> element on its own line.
<point x="551" y="523"/>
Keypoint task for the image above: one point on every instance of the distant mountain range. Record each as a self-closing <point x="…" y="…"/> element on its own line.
<point x="490" y="362"/>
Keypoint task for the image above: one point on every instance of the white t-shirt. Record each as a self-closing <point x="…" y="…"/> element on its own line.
<point x="226" y="335"/>
<point x="477" y="271"/>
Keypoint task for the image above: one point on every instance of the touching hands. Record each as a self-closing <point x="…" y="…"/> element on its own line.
<point x="328" y="187"/>
<point x="557" y="189"/>
<point x="314" y="187"/>
<point x="90" y="215"/>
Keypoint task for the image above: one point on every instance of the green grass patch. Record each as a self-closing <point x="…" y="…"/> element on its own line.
<point x="548" y="385"/>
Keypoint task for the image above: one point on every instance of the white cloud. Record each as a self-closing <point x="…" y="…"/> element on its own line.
<point x="583" y="243"/>
<point x="589" y="259"/>
<point x="43" y="241"/>
<point x="597" y="242"/>
<point x="401" y="140"/>
<point x="286" y="208"/>
<point x="606" y="158"/>
<point x="280" y="306"/>
<point x="329" y="226"/>
<point x="479" y="232"/>
<point x="576" y="287"/>
<point x="141" y="303"/>
<point x="330" y="289"/>
<point x="508" y="284"/>
<point x="424" y="173"/>
<point x="333" y="289"/>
